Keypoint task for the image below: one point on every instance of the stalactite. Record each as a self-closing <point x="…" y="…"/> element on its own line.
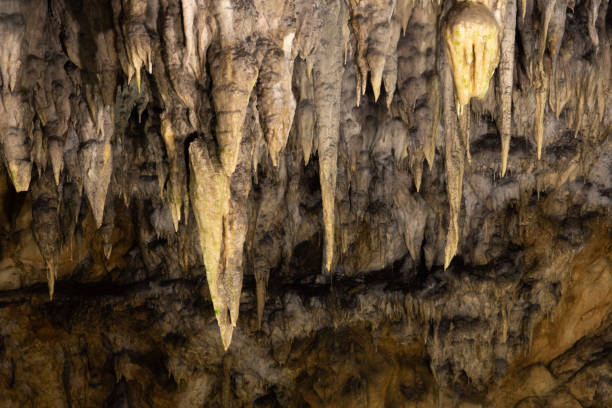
<point x="464" y="118"/>
<point x="175" y="182"/>
<point x="327" y="75"/>
<point x="541" y="90"/>
<point x="12" y="29"/>
<point x="556" y="30"/>
<point x="416" y="168"/>
<point x="259" y="142"/>
<point x="263" y="254"/>
<point x="389" y="75"/>
<point x="17" y="33"/>
<point x="542" y="83"/>
<point x="415" y="58"/>
<point x="261" y="287"/>
<point x="15" y="127"/>
<point x="434" y="102"/>
<point x="234" y="70"/>
<point x="56" y="150"/>
<point x="526" y="27"/>
<point x="73" y="183"/>
<point x="234" y="74"/>
<point x="45" y="224"/>
<point x="305" y="114"/>
<point x="471" y="35"/>
<point x="95" y="154"/>
<point x="506" y="80"/>
<point x="182" y="83"/>
<point x="454" y="161"/>
<point x="136" y="38"/>
<point x="39" y="149"/>
<point x="371" y="24"/>
<point x="55" y="114"/>
<point x="210" y="195"/>
<point x="403" y="12"/>
<point x="235" y="227"/>
<point x="189" y="9"/>
<point x="277" y="105"/>
<point x="106" y="229"/>
<point x="198" y="35"/>
<point x="399" y="21"/>
<point x="308" y="24"/>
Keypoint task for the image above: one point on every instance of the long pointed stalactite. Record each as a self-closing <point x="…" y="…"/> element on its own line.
<point x="327" y="77"/>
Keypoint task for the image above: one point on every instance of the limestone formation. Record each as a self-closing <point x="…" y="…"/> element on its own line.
<point x="295" y="203"/>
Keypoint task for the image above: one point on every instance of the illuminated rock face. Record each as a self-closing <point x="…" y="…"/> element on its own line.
<point x="294" y="203"/>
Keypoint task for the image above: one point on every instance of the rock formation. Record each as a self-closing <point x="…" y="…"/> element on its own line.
<point x="379" y="203"/>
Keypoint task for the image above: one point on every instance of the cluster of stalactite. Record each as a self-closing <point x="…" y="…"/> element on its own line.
<point x="221" y="85"/>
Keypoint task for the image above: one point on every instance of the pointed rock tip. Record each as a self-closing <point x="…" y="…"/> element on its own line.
<point x="138" y="79"/>
<point x="234" y="309"/>
<point x="175" y="213"/>
<point x="56" y="173"/>
<point x="51" y="275"/>
<point x="327" y="268"/>
<point x="504" y="164"/>
<point x="108" y="250"/>
<point x="175" y="223"/>
<point x="21" y="174"/>
<point x="448" y="256"/>
<point x="376" y="61"/>
<point x="226" y="331"/>
<point x="389" y="99"/>
<point x="306" y="157"/>
<point x="98" y="213"/>
<point x="376" y="82"/>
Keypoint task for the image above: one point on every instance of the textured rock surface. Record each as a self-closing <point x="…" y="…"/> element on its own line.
<point x="306" y="203"/>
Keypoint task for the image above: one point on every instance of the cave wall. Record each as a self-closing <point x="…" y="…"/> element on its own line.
<point x="306" y="203"/>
